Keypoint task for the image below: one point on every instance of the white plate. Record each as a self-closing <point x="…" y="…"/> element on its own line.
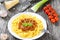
<point x="33" y="14"/>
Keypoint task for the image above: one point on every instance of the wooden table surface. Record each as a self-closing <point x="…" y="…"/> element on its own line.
<point x="53" y="28"/>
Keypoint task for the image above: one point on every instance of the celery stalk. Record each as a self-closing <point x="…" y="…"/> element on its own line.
<point x="39" y="4"/>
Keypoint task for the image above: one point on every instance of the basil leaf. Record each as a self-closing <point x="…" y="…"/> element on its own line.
<point x="30" y="24"/>
<point x="25" y="24"/>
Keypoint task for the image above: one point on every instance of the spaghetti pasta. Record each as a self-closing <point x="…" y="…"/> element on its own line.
<point x="29" y="34"/>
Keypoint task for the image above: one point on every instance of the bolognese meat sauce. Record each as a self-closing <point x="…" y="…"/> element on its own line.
<point x="27" y="24"/>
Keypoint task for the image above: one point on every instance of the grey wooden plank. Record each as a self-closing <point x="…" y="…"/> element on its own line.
<point x="54" y="29"/>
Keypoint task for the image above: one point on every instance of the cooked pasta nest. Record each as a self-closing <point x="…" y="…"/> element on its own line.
<point x="27" y="34"/>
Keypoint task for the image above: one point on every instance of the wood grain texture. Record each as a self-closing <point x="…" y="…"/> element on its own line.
<point x="53" y="28"/>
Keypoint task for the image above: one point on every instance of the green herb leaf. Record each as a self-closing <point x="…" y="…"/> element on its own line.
<point x="25" y="24"/>
<point x="30" y="24"/>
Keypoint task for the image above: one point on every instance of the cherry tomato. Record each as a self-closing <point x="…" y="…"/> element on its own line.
<point x="53" y="20"/>
<point x="50" y="17"/>
<point x="45" y="8"/>
<point x="52" y="11"/>
<point x="49" y="14"/>
<point x="56" y="18"/>
<point x="47" y="11"/>
<point x="48" y="5"/>
<point x="55" y="15"/>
